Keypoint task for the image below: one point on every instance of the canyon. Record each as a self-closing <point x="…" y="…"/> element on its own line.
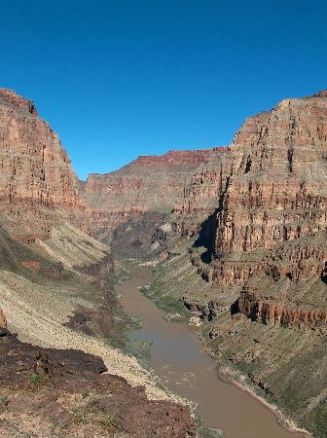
<point x="258" y="205"/>
<point x="235" y="236"/>
<point x="62" y="373"/>
<point x="243" y="246"/>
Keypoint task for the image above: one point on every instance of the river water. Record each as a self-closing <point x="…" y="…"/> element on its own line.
<point x="178" y="358"/>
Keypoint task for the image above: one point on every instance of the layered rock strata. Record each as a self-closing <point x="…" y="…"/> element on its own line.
<point x="148" y="184"/>
<point x="266" y="198"/>
<point x="267" y="311"/>
<point x="271" y="223"/>
<point x="37" y="184"/>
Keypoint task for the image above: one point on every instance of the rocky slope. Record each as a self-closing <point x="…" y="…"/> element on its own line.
<point x="37" y="184"/>
<point x="59" y="296"/>
<point x="55" y="393"/>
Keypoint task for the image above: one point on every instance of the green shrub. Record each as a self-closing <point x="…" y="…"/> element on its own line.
<point x="36" y="380"/>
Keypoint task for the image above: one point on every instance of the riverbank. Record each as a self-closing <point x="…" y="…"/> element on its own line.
<point x="171" y="306"/>
<point x="276" y="360"/>
<point x="178" y="357"/>
<point x="239" y="380"/>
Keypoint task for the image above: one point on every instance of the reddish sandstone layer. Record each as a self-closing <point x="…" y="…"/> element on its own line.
<point x="277" y="191"/>
<point x="268" y="188"/>
<point x="271" y="227"/>
<point x="36" y="179"/>
<point x="264" y="201"/>
<point x="147" y="184"/>
<point x="268" y="311"/>
<point x="269" y="185"/>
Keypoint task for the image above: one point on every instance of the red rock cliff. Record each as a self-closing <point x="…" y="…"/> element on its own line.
<point x="36" y="179"/>
<point x="147" y="184"/>
<point x="260" y="208"/>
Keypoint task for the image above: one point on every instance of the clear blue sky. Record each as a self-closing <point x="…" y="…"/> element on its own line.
<point x="118" y="79"/>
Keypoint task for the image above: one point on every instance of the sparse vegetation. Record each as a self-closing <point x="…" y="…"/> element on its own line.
<point x="168" y="303"/>
<point x="109" y="422"/>
<point x="85" y="393"/>
<point x="3" y="400"/>
<point x="210" y="433"/>
<point x="36" y="380"/>
<point x="79" y="417"/>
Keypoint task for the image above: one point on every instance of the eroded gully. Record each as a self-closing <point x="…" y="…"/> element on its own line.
<point x="178" y="358"/>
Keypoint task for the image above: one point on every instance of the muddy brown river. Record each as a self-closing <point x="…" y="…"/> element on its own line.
<point x="178" y="358"/>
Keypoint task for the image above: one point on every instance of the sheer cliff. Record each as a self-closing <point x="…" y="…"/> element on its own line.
<point x="37" y="184"/>
<point x="271" y="216"/>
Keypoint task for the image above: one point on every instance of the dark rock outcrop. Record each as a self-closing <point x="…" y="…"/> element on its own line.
<point x="69" y="394"/>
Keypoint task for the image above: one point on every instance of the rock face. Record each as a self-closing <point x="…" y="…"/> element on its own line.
<point x="269" y="312"/>
<point x="56" y="277"/>
<point x="263" y="265"/>
<point x="265" y="200"/>
<point x="37" y="183"/>
<point x="148" y="184"/>
<point x="199" y="199"/>
<point x="277" y="191"/>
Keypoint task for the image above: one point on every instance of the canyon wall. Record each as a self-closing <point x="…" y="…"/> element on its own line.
<point x="37" y="184"/>
<point x="277" y="191"/>
<point x="267" y="228"/>
<point x="250" y="263"/>
<point x="148" y="184"/>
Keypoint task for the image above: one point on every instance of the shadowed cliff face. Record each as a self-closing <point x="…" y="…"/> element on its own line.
<point x="37" y="183"/>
